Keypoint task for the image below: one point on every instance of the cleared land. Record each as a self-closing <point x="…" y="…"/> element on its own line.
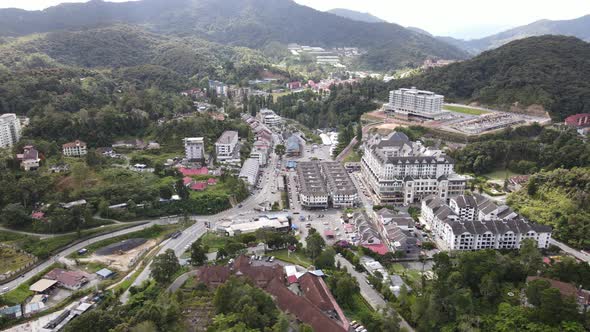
<point x="464" y="110"/>
<point x="12" y="259"/>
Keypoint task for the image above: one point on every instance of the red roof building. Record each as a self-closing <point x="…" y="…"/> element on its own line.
<point x="186" y="180"/>
<point x="211" y="181"/>
<point x="192" y="171"/>
<point x="68" y="279"/>
<point x="578" y="120"/>
<point x="380" y="249"/>
<point x="198" y="186"/>
<point x="316" y="307"/>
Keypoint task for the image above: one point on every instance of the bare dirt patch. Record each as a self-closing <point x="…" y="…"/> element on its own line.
<point x="122" y="260"/>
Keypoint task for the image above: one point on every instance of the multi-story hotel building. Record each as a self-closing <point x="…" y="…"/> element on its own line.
<point x="194" y="148"/>
<point x="225" y="147"/>
<point x="474" y="222"/>
<point x="10" y="130"/>
<point x="313" y="192"/>
<point x="413" y="102"/>
<point x="402" y="172"/>
<point x="341" y="190"/>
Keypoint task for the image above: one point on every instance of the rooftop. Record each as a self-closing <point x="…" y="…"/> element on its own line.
<point x="227" y="137"/>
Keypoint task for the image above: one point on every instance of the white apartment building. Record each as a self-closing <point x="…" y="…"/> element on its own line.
<point x="249" y="171"/>
<point x="458" y="226"/>
<point x="413" y="102"/>
<point x="341" y="190"/>
<point x="225" y="147"/>
<point x="194" y="148"/>
<point x="402" y="172"/>
<point x="260" y="154"/>
<point x="269" y="117"/>
<point x="75" y="149"/>
<point x="313" y="192"/>
<point x="10" y="130"/>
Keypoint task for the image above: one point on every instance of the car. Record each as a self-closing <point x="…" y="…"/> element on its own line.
<point x="359" y="328"/>
<point x="239" y="205"/>
<point x="272" y="258"/>
<point x="268" y="258"/>
<point x="5" y="289"/>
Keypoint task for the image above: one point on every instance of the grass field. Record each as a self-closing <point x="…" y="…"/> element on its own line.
<point x="213" y="241"/>
<point x="464" y="110"/>
<point x="353" y="156"/>
<point x="412" y="277"/>
<point x="12" y="259"/>
<point x="360" y="309"/>
<point x="297" y="258"/>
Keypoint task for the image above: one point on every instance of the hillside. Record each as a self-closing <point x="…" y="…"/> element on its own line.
<point x="249" y="23"/>
<point x="579" y="27"/>
<point x="551" y="71"/>
<point x="120" y="46"/>
<point x="357" y="16"/>
<point x="559" y="198"/>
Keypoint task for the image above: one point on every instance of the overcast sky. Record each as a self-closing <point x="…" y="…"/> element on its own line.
<point x="457" y="18"/>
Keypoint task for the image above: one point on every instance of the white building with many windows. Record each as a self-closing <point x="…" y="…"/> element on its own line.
<point x="249" y="171"/>
<point x="75" y="149"/>
<point x="460" y="226"/>
<point x="226" y="146"/>
<point x="413" y="102"/>
<point x="194" y="148"/>
<point x="341" y="190"/>
<point x="325" y="184"/>
<point x="10" y="130"/>
<point x="313" y="192"/>
<point x="402" y="172"/>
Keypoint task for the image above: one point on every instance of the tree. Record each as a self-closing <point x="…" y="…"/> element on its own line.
<point x="343" y="286"/>
<point x="198" y="253"/>
<point x="315" y="244"/>
<point x="280" y="150"/>
<point x="94" y="321"/>
<point x="534" y="290"/>
<point x="14" y="215"/>
<point x="181" y="190"/>
<point x="530" y="256"/>
<point x="359" y="132"/>
<point x="326" y="259"/>
<point x="165" y="266"/>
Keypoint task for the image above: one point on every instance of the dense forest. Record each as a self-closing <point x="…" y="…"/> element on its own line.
<point x="560" y="198"/>
<point x="483" y="290"/>
<point x="551" y="71"/>
<point x="250" y="23"/>
<point x="523" y="150"/>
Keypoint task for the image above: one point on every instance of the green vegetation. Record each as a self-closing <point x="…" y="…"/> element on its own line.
<point x="558" y="198"/>
<point x="464" y="109"/>
<point x="295" y="257"/>
<point x="549" y="70"/>
<point x="482" y="289"/>
<point x="13" y="259"/>
<point x="524" y="150"/>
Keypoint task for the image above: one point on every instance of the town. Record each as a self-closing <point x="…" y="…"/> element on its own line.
<point x="298" y="185"/>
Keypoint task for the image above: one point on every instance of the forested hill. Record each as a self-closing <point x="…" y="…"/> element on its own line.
<point x="551" y="71"/>
<point x="120" y="46"/>
<point x="250" y="23"/>
<point x="357" y="16"/>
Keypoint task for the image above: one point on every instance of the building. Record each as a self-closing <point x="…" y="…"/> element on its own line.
<point x="269" y="117"/>
<point x="72" y="280"/>
<point x="10" y="130"/>
<point x="105" y="273"/>
<point x="413" y="102"/>
<point x="226" y="146"/>
<point x="260" y="153"/>
<point x="194" y="148"/>
<point x="29" y="159"/>
<point x="249" y="171"/>
<point x="475" y="222"/>
<point x="75" y="149"/>
<point x="399" y="171"/>
<point x="293" y="85"/>
<point x="308" y="298"/>
<point x="397" y="229"/>
<point x="275" y="224"/>
<point x="293" y="147"/>
<point x="581" y="296"/>
<point x="313" y="191"/>
<point x="341" y="190"/>
<point x="580" y="122"/>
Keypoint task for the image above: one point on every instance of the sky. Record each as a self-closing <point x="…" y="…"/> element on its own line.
<point x="465" y="19"/>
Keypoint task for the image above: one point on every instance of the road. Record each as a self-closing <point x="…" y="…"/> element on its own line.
<point x="571" y="251"/>
<point x="42" y="266"/>
<point x="369" y="293"/>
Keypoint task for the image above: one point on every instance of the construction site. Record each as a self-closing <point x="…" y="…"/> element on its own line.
<point x="121" y="255"/>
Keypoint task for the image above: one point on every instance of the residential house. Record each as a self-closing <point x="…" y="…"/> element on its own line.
<point x="29" y="159"/>
<point x="75" y="149"/>
<point x="72" y="280"/>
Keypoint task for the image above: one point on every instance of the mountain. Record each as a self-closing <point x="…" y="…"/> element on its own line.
<point x="418" y="30"/>
<point x="249" y="23"/>
<point x="119" y="46"/>
<point x="550" y="71"/>
<point x="579" y="28"/>
<point x="357" y="16"/>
